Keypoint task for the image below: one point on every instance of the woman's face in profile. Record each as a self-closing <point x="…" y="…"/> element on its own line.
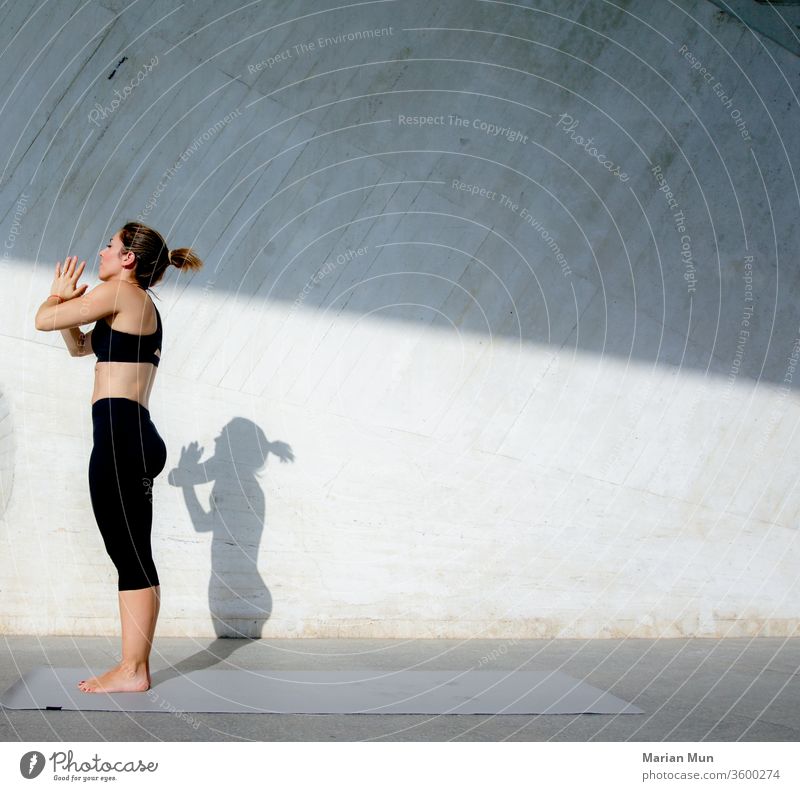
<point x="111" y="258"/>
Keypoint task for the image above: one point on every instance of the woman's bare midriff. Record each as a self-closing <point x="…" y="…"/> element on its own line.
<point x="124" y="380"/>
<point x="116" y="379"/>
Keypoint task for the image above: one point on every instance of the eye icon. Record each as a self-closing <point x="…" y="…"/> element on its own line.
<point x="31" y="764"/>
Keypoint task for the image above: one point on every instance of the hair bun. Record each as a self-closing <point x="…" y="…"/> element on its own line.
<point x="150" y="249"/>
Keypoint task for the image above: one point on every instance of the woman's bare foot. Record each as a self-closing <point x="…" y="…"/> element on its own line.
<point x="122" y="678"/>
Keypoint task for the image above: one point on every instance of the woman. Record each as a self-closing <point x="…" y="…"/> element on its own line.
<point x="128" y="452"/>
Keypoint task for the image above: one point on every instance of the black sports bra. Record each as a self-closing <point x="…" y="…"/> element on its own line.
<point x="112" y="345"/>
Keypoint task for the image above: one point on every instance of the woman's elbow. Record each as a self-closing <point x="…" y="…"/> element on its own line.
<point x="42" y="325"/>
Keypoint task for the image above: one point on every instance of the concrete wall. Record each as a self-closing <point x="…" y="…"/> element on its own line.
<point x="457" y="378"/>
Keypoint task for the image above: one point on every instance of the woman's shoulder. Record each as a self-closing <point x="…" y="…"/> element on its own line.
<point x="131" y="307"/>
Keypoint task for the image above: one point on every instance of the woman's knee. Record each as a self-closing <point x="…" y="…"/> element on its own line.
<point x="138" y="577"/>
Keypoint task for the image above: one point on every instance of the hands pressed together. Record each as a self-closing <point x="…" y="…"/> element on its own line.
<point x="65" y="282"/>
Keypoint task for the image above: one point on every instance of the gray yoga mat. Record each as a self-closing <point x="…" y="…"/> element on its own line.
<point x="326" y="692"/>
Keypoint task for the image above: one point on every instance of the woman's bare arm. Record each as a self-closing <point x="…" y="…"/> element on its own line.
<point x="78" y="343"/>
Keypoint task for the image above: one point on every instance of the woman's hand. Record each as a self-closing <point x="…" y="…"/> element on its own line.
<point x="64" y="283"/>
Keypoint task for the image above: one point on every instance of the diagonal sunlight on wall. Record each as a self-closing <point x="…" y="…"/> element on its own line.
<point x="438" y="472"/>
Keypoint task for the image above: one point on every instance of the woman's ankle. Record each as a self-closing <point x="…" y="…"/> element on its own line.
<point x="134" y="666"/>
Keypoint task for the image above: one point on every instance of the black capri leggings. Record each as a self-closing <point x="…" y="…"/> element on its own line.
<point x="128" y="454"/>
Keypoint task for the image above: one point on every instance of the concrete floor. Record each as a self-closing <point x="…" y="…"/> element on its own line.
<point x="742" y="689"/>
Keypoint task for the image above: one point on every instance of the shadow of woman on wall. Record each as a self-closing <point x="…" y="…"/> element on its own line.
<point x="238" y="598"/>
